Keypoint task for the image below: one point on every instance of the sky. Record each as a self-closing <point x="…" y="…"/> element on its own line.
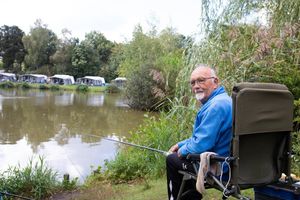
<point x="115" y="19"/>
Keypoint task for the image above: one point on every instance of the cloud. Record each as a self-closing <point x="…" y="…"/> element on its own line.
<point x="116" y="19"/>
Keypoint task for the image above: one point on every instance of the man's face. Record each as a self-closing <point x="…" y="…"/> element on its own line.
<point x="203" y="83"/>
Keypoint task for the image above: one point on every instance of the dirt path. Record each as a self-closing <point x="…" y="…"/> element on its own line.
<point x="98" y="191"/>
<point x="65" y="196"/>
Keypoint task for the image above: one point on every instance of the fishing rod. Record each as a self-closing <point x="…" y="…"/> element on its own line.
<point x="13" y="195"/>
<point x="165" y="153"/>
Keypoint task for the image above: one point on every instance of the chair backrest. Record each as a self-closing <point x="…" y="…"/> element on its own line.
<point x="262" y="122"/>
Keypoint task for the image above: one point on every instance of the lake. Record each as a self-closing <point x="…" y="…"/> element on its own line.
<point x="65" y="128"/>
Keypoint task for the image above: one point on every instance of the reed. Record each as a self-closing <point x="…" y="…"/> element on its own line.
<point x="36" y="180"/>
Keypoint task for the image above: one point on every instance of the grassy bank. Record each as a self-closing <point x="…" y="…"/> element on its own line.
<point x="36" y="180"/>
<point x="84" y="88"/>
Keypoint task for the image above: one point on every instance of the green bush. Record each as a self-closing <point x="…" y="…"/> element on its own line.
<point x="7" y="84"/>
<point x="43" y="87"/>
<point x="139" y="90"/>
<point x="296" y="153"/>
<point x="54" y="87"/>
<point x="82" y="88"/>
<point x="112" y="89"/>
<point x="36" y="180"/>
<point x="24" y="85"/>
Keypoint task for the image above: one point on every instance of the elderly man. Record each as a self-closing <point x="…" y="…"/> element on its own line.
<point x="212" y="128"/>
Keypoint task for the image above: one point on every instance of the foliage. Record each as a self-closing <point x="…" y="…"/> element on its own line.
<point x="7" y="84"/>
<point x="99" y="42"/>
<point x="110" y="71"/>
<point x="43" y="87"/>
<point x="54" y="87"/>
<point x="62" y="58"/>
<point x="40" y="44"/>
<point x="297" y="115"/>
<point x="296" y="153"/>
<point x="90" y="55"/>
<point x="139" y="90"/>
<point x="11" y="48"/>
<point x="35" y="180"/>
<point x="82" y="88"/>
<point x="162" y="133"/>
<point x="23" y="85"/>
<point x="85" y="61"/>
<point x="152" y="61"/>
<point x="252" y="52"/>
<point x="112" y="89"/>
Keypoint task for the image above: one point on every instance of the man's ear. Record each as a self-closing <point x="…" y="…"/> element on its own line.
<point x="216" y="81"/>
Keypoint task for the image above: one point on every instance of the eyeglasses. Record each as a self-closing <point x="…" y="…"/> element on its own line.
<point x="200" y="81"/>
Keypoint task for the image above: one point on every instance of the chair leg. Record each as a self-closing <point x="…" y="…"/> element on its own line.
<point x="186" y="176"/>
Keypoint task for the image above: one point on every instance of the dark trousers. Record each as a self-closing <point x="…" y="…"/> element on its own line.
<point x="174" y="179"/>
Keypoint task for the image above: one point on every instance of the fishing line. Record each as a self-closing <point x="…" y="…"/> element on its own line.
<point x="73" y="164"/>
<point x="165" y="153"/>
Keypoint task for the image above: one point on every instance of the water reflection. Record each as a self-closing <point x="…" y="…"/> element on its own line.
<point x="64" y="99"/>
<point x="95" y="99"/>
<point x="57" y="124"/>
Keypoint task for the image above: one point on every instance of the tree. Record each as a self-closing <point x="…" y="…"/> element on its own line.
<point x="243" y="50"/>
<point x="62" y="59"/>
<point x="91" y="55"/>
<point x="85" y="61"/>
<point x="152" y="57"/>
<point x="110" y="71"/>
<point x="11" y="48"/>
<point x="100" y="44"/>
<point x="41" y="44"/>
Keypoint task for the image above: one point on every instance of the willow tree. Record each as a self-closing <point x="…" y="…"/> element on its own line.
<point x="250" y="41"/>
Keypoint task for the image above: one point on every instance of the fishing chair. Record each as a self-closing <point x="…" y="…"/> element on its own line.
<point x="261" y="144"/>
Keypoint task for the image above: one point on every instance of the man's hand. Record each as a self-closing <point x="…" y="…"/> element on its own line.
<point x="174" y="148"/>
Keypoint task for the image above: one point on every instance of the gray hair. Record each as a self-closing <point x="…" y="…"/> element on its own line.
<point x="212" y="70"/>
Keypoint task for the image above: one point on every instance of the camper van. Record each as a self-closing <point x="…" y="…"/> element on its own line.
<point x="61" y="79"/>
<point x="91" y="80"/>
<point x="33" y="78"/>
<point x="120" y="81"/>
<point x="7" y="77"/>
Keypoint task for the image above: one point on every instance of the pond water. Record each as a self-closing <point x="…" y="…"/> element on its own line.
<point x="59" y="126"/>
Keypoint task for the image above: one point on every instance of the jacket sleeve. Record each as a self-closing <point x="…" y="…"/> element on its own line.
<point x="181" y="143"/>
<point x="205" y="134"/>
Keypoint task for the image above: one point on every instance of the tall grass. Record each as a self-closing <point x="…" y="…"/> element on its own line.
<point x="160" y="133"/>
<point x="36" y="180"/>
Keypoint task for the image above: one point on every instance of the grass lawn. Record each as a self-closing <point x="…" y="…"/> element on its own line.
<point x="157" y="190"/>
<point x="71" y="87"/>
<point x="140" y="190"/>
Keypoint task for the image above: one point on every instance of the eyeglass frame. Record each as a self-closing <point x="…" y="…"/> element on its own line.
<point x="200" y="80"/>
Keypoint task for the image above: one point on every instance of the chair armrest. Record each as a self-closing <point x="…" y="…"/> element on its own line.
<point x="196" y="157"/>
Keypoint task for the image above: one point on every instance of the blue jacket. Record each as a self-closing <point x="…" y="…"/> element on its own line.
<point x="212" y="128"/>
